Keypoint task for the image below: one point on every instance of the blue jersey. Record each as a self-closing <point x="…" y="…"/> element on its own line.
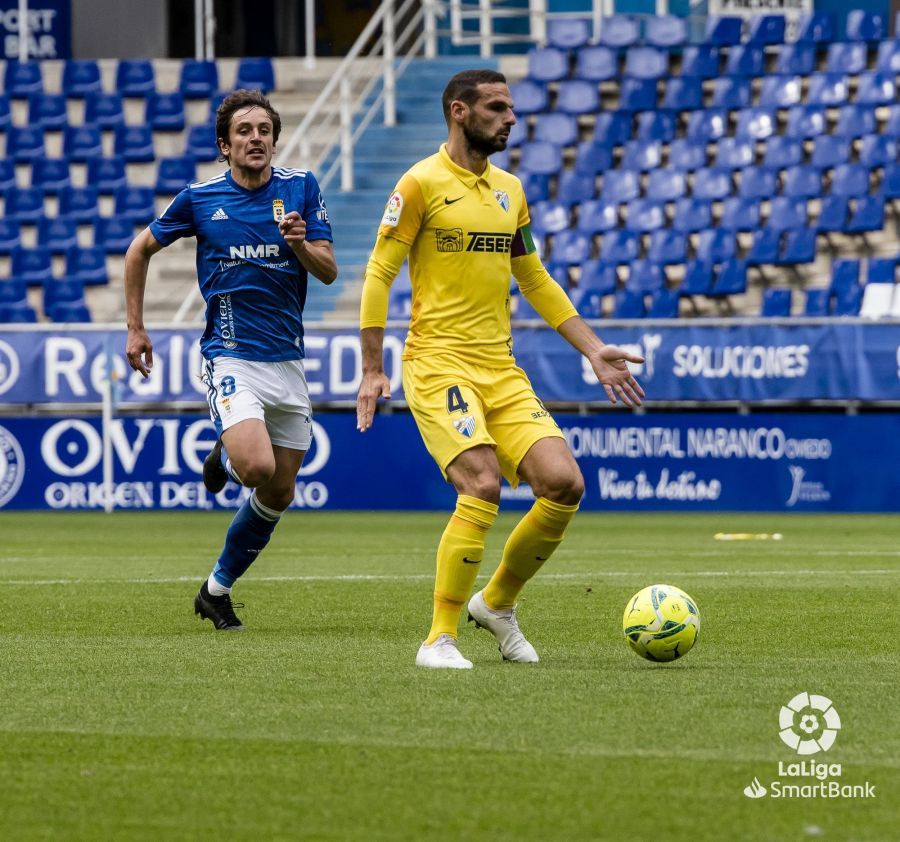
<point x="251" y="280"/>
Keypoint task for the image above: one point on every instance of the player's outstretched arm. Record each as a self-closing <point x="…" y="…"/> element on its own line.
<point x="138" y="347"/>
<point x="375" y="383"/>
<point x="607" y="361"/>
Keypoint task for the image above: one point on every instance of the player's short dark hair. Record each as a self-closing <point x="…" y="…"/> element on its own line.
<point x="243" y="100"/>
<point x="464" y="86"/>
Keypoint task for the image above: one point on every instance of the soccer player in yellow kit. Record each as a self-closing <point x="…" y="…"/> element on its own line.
<point x="465" y="227"/>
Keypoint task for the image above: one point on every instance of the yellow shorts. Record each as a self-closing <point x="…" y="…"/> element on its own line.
<point x="458" y="406"/>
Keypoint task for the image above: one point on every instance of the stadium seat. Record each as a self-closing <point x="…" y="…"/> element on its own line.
<point x="529" y="98"/>
<point x="817" y="302"/>
<point x="844" y="275"/>
<point x="847" y="303"/>
<point x="8" y="174"/>
<point x="574" y="187"/>
<point x="80" y="77"/>
<point x="24" y="143"/>
<point x="645" y="277"/>
<point x="619" y="31"/>
<point x="628" y="305"/>
<point x="667" y="247"/>
<point x="134" y="144"/>
<point x="598" y="276"/>
<point x="827" y="89"/>
<point x="255" y="74"/>
<point x="864" y="26"/>
<point x="568" y="33"/>
<point x="815" y="28"/>
<point x="549" y="217"/>
<point x="518" y="134"/>
<point x="535" y="185"/>
<point x="69" y="312"/>
<point x="79" y="204"/>
<point x="877" y="301"/>
<point x="201" y="144"/>
<point x="558" y="129"/>
<point x="691" y="215"/>
<point x="174" y="174"/>
<point x="780" y="91"/>
<point x="61" y="291"/>
<point x="199" y="79"/>
<point x="829" y="152"/>
<point x="104" y="110"/>
<point x="597" y="216"/>
<point x="641" y="155"/>
<point x="588" y="302"/>
<point x="47" y="111"/>
<point x="50" y="174"/>
<point x="797" y="59"/>
<point x="697" y="280"/>
<point x="541" y="157"/>
<point x="731" y="278"/>
<point x="571" y="247"/>
<point x="592" y="157"/>
<point x="683" y="93"/>
<point x="22" y="78"/>
<point x="755" y="123"/>
<point x="10" y="235"/>
<point x="24" y="205"/>
<point x="734" y="154"/>
<point x="655" y="125"/>
<point x="706" y="126"/>
<point x="776" y="303"/>
<point x="5" y="112"/>
<point x="87" y="264"/>
<point x="723" y="30"/>
<point x="866" y="214"/>
<point x="846" y="58"/>
<point x="135" y="78"/>
<point x="687" y="155"/>
<point x="888" y="62"/>
<point x="665" y="184"/>
<point x="881" y="270"/>
<point x="106" y="174"/>
<point x="593" y="64"/>
<point x="766" y="30"/>
<point x="612" y="128"/>
<point x="665" y="31"/>
<point x="799" y="246"/>
<point x="806" y="121"/>
<point x="619" y="247"/>
<point x="786" y="212"/>
<point x="620" y="186"/>
<point x="711" y="184"/>
<point x="637" y="94"/>
<point x="547" y="64"/>
<point x="832" y="214"/>
<point x="112" y="234"/>
<point x="890" y="182"/>
<point x="645" y="215"/>
<point x="855" y="121"/>
<point x="764" y="247"/>
<point x="646" y="63"/>
<point x="850" y="180"/>
<point x="58" y="234"/>
<point x="731" y="92"/>
<point x="716" y="245"/>
<point x="739" y="214"/>
<point x="701" y="61"/>
<point x="782" y="152"/>
<point x="81" y="143"/>
<point x="877" y="151"/>
<point x="803" y="182"/>
<point x="165" y="112"/>
<point x="745" y="60"/>
<point x="13" y="292"/>
<point x="136" y="204"/>
<point x="892" y="124"/>
<point x="31" y="265"/>
<point x="876" y="89"/>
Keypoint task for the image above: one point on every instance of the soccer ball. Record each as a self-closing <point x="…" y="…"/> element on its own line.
<point x="661" y="623"/>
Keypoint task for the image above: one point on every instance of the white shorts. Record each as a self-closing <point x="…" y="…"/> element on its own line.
<point x="275" y="393"/>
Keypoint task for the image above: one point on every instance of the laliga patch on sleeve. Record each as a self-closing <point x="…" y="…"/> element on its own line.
<point x="393" y="210"/>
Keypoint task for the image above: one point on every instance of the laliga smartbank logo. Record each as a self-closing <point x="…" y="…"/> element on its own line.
<point x="808" y="724"/>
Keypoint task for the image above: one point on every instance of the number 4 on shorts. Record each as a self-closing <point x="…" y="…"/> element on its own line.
<point x="455" y="402"/>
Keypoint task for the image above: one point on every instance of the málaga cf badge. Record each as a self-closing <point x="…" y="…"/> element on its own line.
<point x="502" y="199"/>
<point x="277" y="210"/>
<point x="465" y="426"/>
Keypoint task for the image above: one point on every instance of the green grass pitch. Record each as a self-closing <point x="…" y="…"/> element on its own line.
<point x="124" y="717"/>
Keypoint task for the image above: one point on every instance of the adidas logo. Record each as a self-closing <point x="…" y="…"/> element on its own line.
<point x="219" y="214"/>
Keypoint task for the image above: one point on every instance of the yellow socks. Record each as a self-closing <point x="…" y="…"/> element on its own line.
<point x="531" y="543"/>
<point x="458" y="560"/>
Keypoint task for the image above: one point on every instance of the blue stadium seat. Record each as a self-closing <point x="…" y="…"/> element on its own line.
<point x="79" y="204"/>
<point x="855" y="121"/>
<point x="588" y="302"/>
<point x="628" y="305"/>
<point x="715" y="245"/>
<point x="134" y="144"/>
<point x="799" y="246"/>
<point x="687" y="155"/>
<point x="619" y="31"/>
<point x="667" y="247"/>
<point x="87" y="264"/>
<point x="780" y="91"/>
<point x="518" y="134"/>
<point x="787" y="212"/>
<point x="876" y="89"/>
<point x="597" y="216"/>
<point x="796" y="59"/>
<point x="723" y="30"/>
<point x="846" y="58"/>
<point x="766" y="29"/>
<point x="136" y="204"/>
<point x="575" y="187"/>
<point x="106" y="174"/>
<point x="665" y="184"/>
<point x="17" y="313"/>
<point x="803" y="182"/>
<point x="888" y="61"/>
<point x="850" y="180"/>
<point x="24" y="143"/>
<point x="549" y="217"/>
<point x="745" y="60"/>
<point x="757" y="183"/>
<point x="619" y="247"/>
<point x="80" y="77"/>
<point x="817" y="302"/>
<point x="13" y="296"/>
<point x="806" y="121"/>
<point x="847" y="303"/>
<point x="637" y="94"/>
<point x="47" y="111"/>
<point x="711" y="184"/>
<point x="707" y="125"/>
<point x="558" y="129"/>
<point x="201" y="144"/>
<point x="529" y="98"/>
<point x="815" y="28"/>
<point x="645" y="215"/>
<point x="697" y="280"/>
<point x="620" y="186"/>
<point x="535" y="185"/>
<point x="135" y="77"/>
<point x="5" y="112"/>
<point x="828" y="89"/>
<point x="734" y="154"/>
<point x="890" y="182"/>
<point x="830" y="151"/>
<point x="568" y="33"/>
<point x="255" y="74"/>
<point x="81" y="143"/>
<point x="57" y="234"/>
<point x="62" y="291"/>
<point x="547" y="64"/>
<point x="731" y="92"/>
<point x="50" y="174"/>
<point x="665" y="31"/>
<point x="764" y="247"/>
<point x="112" y="234"/>
<point x="199" y="79"/>
<point x="104" y="110"/>
<point x="776" y="303"/>
<point x="881" y="270"/>
<point x="594" y="64"/>
<point x="867" y="214"/>
<point x="8" y="174"/>
<point x="731" y="278"/>
<point x="541" y="157"/>
<point x="598" y="276"/>
<point x="646" y="63"/>
<point x="612" y="128"/>
<point x="683" y="93"/>
<point x="571" y="247"/>
<point x="69" y="312"/>
<point x="592" y="157"/>
<point x="844" y="275"/>
<point x="877" y="151"/>
<point x="865" y="26"/>
<point x="739" y="214"/>
<point x="782" y="152"/>
<point x="641" y="155"/>
<point x="10" y="235"/>
<point x="22" y="78"/>
<point x="691" y="215"/>
<point x="701" y="61"/>
<point x="165" y="112"/>
<point x="31" y="265"/>
<point x="24" y="205"/>
<point x="645" y="277"/>
<point x="892" y="125"/>
<point x="832" y="214"/>
<point x="756" y="123"/>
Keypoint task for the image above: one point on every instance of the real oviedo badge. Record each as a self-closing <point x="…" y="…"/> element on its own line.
<point x="277" y="210"/>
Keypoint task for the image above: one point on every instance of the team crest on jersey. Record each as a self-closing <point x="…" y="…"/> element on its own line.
<point x="392" y="210"/>
<point x="277" y="210"/>
<point x="465" y="426"/>
<point x="502" y="199"/>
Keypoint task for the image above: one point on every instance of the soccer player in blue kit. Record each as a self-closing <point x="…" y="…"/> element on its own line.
<point x="260" y="231"/>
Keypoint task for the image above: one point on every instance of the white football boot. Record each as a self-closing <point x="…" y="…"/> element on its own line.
<point x="442" y="654"/>
<point x="503" y="625"/>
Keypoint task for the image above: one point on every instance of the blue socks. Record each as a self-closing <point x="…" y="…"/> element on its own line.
<point x="247" y="536"/>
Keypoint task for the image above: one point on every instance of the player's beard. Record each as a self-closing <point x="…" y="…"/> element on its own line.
<point x="484" y="144"/>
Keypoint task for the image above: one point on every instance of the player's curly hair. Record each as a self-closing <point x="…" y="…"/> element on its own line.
<point x="238" y="101"/>
<point x="464" y="86"/>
